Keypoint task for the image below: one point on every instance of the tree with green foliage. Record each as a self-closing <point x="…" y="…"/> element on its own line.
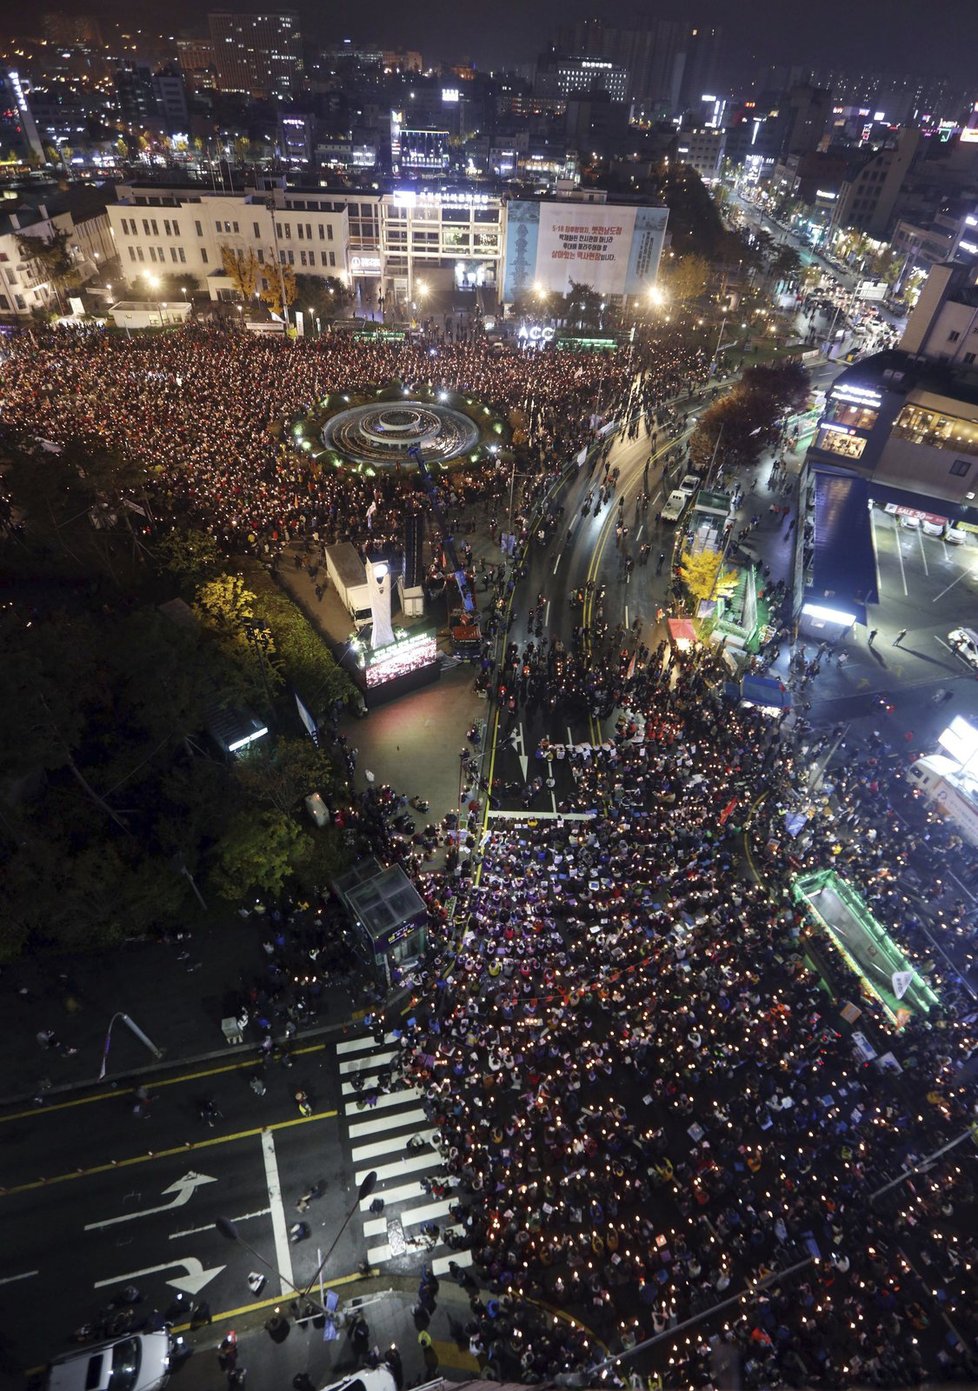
<point x="282" y="774"/>
<point x="745" y="420"/>
<point x="307" y="663"/>
<point x="227" y="608"/>
<point x="685" y="279"/>
<point x="189" y="554"/>
<point x="325" y="296"/>
<point x="257" y="854"/>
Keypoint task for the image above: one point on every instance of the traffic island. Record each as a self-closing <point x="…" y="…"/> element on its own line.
<point x="882" y="968"/>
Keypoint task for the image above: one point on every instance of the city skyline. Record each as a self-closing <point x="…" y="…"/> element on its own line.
<point x="896" y="36"/>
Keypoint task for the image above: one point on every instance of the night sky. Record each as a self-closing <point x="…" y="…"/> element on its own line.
<point x="902" y="35"/>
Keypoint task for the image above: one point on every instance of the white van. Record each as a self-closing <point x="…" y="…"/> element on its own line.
<point x="938" y="779"/>
<point x="675" y="506"/>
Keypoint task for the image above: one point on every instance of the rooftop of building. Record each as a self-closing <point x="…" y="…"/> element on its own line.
<point x="900" y="373"/>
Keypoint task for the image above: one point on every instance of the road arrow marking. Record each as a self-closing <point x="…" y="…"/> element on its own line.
<point x="516" y="740"/>
<point x="194" y="1280"/>
<point x="182" y="1191"/>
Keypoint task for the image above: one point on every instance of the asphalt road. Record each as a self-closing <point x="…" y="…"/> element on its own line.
<point x="583" y="549"/>
<point x="96" y="1196"/>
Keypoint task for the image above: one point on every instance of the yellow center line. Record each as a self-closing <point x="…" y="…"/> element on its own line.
<point x="151" y="1156"/>
<point x="41" y="1111"/>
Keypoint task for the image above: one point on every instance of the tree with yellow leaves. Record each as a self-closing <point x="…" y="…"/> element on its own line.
<point x="686" y="279"/>
<point x="704" y="576"/>
<point x="242" y="269"/>
<point x="276" y="282"/>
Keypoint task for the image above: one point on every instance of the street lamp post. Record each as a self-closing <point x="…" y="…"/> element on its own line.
<point x="134" y="1028"/>
<point x="258" y="638"/>
<point x="153" y="281"/>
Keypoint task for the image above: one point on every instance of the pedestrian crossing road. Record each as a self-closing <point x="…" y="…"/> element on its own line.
<point x="378" y="1137"/>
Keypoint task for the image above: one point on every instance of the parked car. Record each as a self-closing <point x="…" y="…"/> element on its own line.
<point x="965" y="643"/>
<point x="137" y="1362"/>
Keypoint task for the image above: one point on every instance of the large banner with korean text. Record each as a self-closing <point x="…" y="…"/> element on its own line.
<point x="613" y="248"/>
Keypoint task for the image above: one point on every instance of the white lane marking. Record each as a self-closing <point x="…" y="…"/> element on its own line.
<point x="371" y="1064"/>
<point x="382" y="1147"/>
<point x="24" y="1275"/>
<point x="385" y="1099"/>
<point x="638" y="534"/>
<point x="441" y="1263"/>
<point x="404" y="1192"/>
<point x="627" y="624"/>
<point x="546" y="615"/>
<point x="923" y="554"/>
<point x="413" y="1217"/>
<point x="964" y="574"/>
<point x="359" y="1044"/>
<point x="385" y="1124"/>
<point x="194" y="1231"/>
<point x="899" y="551"/>
<point x="283" y="1248"/>
<point x="410" y="1164"/>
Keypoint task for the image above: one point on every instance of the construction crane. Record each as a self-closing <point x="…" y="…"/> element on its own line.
<point x="463" y="623"/>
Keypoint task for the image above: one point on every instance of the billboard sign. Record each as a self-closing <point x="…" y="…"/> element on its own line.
<point x="612" y="248"/>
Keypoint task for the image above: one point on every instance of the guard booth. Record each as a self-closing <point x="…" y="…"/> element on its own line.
<point x="389" y="916"/>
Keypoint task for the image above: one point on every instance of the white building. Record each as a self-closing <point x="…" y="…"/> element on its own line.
<point x="408" y="247"/>
<point x="24" y="284"/>
<point x="402" y="245"/>
<point x="703" y="150"/>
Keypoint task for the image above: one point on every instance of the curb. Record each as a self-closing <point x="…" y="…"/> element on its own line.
<point x="119" y="1082"/>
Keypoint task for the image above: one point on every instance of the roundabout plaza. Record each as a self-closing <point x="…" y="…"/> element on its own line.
<point x="382" y="433"/>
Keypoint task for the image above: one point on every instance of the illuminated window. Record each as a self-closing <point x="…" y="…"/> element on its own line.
<point x="837" y="440"/>
<point x="846" y="413"/>
<point x="938" y="431"/>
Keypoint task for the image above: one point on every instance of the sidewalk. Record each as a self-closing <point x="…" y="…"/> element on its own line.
<point x="178" y="1003"/>
<point x="386" y="1305"/>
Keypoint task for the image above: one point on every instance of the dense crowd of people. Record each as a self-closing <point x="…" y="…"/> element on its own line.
<point x="646" y="1100"/>
<point x="200" y="410"/>
<point x="649" y="1102"/>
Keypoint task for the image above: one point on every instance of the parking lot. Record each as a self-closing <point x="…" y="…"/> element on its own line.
<point x="926" y="585"/>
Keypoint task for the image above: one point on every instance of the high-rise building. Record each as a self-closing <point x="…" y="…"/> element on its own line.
<point x="696" y="66"/>
<point x="559" y="76"/>
<point x="197" y="64"/>
<point x="648" y="54"/>
<point x="138" y="103"/>
<point x="18" y="133"/>
<point x="259" y="54"/>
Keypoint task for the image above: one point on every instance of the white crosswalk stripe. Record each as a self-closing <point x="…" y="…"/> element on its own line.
<point x="380" y="1124"/>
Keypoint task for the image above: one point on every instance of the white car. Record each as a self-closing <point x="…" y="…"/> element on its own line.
<point x="911" y="523"/>
<point x="137" y="1362"/>
<point x="965" y="644"/>
<point x="953" y="536"/>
